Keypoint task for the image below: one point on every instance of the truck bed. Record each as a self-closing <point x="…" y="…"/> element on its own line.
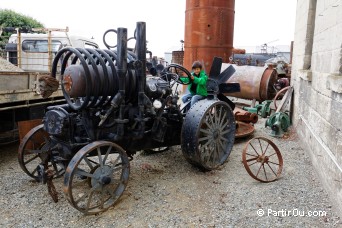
<point x="21" y="89"/>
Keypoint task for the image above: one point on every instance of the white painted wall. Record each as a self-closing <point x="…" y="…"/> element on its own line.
<point x="317" y="80"/>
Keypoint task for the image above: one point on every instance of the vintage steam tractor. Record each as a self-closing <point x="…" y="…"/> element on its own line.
<point x="114" y="108"/>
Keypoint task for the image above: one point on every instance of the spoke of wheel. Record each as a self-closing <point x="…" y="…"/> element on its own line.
<point x="100" y="157"/>
<point x="88" y="162"/>
<point x="254" y="149"/>
<point x="110" y="192"/>
<point x="31" y="159"/>
<point x="83" y="173"/>
<point x="273" y="163"/>
<point x="84" y="195"/>
<point x="122" y="167"/>
<point x="106" y="155"/>
<point x="258" y="170"/>
<point x="94" y="162"/>
<point x="208" y="125"/>
<point x="263" y="166"/>
<point x="204" y="138"/>
<point x="251" y="155"/>
<point x="223" y="118"/>
<point x="221" y="144"/>
<point x="209" y="142"/>
<point x="251" y="159"/>
<point x="225" y="132"/>
<point x="223" y="139"/>
<point x="34" y="171"/>
<point x="271" y="169"/>
<point x="252" y="163"/>
<point x="213" y="155"/>
<point x="225" y="125"/>
<point x="116" y="161"/>
<point x="89" y="200"/>
<point x="216" y="116"/>
<point x="217" y="150"/>
<point x="218" y="120"/>
<point x="272" y="154"/>
<point x="205" y="131"/>
<point x="102" y="198"/>
<point x="260" y="145"/>
<point x="263" y="153"/>
<point x="210" y="117"/>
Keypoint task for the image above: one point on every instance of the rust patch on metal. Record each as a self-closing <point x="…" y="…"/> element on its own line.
<point x="25" y="126"/>
<point x="67" y="83"/>
<point x="243" y="129"/>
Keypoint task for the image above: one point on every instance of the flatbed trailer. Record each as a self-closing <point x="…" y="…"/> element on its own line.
<point x="21" y="101"/>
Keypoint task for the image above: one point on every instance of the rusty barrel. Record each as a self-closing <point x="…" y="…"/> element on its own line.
<point x="209" y="29"/>
<point x="255" y="82"/>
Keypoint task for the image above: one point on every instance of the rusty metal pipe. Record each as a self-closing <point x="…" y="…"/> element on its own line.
<point x="245" y="116"/>
<point x="255" y="82"/>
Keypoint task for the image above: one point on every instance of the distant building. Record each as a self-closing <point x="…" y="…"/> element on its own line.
<point x="178" y="57"/>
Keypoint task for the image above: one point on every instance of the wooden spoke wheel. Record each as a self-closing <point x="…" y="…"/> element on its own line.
<point x="262" y="159"/>
<point x="35" y="150"/>
<point x="96" y="177"/>
<point x="208" y="133"/>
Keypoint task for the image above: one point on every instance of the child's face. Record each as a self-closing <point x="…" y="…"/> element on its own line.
<point x="197" y="70"/>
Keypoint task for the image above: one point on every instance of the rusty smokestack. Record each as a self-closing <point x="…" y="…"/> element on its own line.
<point x="209" y="30"/>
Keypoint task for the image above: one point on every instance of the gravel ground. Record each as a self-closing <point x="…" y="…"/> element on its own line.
<point x="165" y="191"/>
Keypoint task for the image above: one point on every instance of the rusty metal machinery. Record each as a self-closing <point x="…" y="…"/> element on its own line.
<point x="245" y="116"/>
<point x="115" y="109"/>
<point x="209" y="29"/>
<point x="255" y="82"/>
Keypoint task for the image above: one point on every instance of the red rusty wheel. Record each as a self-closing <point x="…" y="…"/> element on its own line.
<point x="280" y="93"/>
<point x="262" y="159"/>
<point x="34" y="150"/>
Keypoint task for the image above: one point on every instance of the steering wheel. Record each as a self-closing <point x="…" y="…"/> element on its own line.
<point x="175" y="71"/>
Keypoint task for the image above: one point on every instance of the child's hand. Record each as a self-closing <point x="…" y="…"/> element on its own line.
<point x="192" y="77"/>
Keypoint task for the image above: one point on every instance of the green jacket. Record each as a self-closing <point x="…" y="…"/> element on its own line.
<point x="201" y="82"/>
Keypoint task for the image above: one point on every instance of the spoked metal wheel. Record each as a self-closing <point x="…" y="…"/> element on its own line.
<point x="96" y="177"/>
<point x="35" y="150"/>
<point x="208" y="133"/>
<point x="262" y="159"/>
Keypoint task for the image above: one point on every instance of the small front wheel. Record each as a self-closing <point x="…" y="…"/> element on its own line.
<point x="96" y="177"/>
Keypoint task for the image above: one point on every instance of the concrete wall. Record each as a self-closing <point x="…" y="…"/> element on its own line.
<point x="317" y="81"/>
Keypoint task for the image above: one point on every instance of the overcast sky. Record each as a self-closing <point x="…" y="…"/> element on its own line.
<point x="256" y="22"/>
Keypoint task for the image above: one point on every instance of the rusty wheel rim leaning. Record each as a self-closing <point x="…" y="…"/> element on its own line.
<point x="96" y="177"/>
<point x="279" y="93"/>
<point x="262" y="159"/>
<point x="34" y="150"/>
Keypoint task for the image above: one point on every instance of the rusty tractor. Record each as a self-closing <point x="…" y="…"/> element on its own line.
<point x="118" y="103"/>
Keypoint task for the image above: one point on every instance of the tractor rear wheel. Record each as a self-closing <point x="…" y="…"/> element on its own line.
<point x="208" y="134"/>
